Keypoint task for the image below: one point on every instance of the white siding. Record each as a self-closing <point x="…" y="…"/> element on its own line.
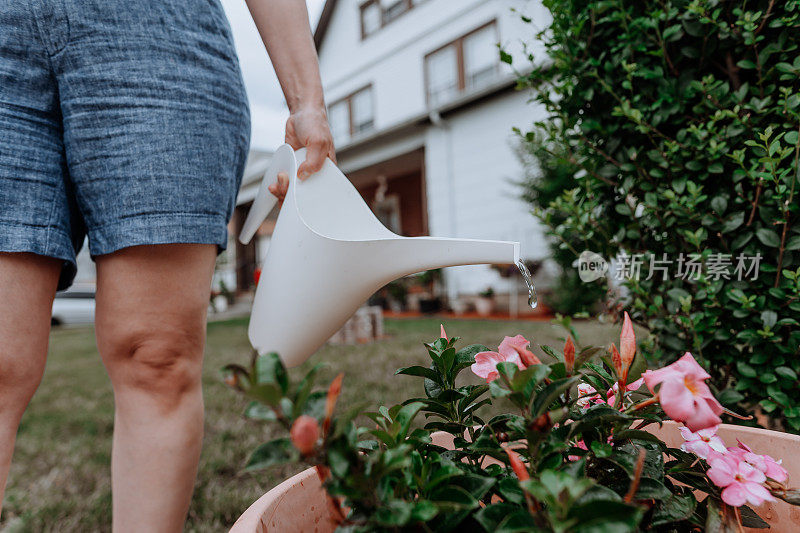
<point x="476" y="198"/>
<point x="482" y="202"/>
<point x="392" y="59"/>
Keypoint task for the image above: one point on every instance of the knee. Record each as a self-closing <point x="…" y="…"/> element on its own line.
<point x="19" y="380"/>
<point x="165" y="365"/>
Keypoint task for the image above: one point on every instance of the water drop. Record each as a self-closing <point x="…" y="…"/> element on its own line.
<point x="526" y="275"/>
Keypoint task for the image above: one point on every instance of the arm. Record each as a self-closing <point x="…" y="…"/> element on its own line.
<point x="284" y="28"/>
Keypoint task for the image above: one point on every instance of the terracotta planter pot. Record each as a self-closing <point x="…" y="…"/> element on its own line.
<point x="298" y="504"/>
<point x="782" y="517"/>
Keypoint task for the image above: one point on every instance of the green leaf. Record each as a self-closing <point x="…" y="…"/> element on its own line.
<point x="453" y="498"/>
<point x="490" y="516"/>
<point x="746" y="370"/>
<point x="768" y="237"/>
<point x="733" y="221"/>
<point x="270" y="369"/>
<point x="396" y="513"/>
<point x="550" y="393"/>
<point x="601" y="449"/>
<point x="793" y="243"/>
<point x="652" y="489"/>
<point x="406" y="415"/>
<point x="278" y="451"/>
<point x="419" y="371"/>
<point x="258" y="411"/>
<point x="597" y="516"/>
<point x="751" y="519"/>
<point x="720" y="518"/>
<point x="424" y="511"/>
<point x="466" y="356"/>
<point x="674" y="508"/>
<point x="729" y="397"/>
<point x="304" y="390"/>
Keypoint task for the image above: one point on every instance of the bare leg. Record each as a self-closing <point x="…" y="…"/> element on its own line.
<point x="27" y="285"/>
<point x="150" y="321"/>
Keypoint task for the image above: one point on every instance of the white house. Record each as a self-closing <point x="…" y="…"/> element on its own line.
<point x="422" y="110"/>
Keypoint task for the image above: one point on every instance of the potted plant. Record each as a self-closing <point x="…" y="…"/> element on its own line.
<point x="564" y="449"/>
<point x="484" y="303"/>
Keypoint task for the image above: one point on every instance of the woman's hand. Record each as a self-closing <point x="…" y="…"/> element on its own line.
<point x="308" y="127"/>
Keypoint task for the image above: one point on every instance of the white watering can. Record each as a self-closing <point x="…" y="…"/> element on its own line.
<point x="329" y="253"/>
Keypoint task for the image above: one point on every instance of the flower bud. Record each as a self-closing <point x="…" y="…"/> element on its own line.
<point x="569" y="355"/>
<point x="304" y="434"/>
<point x="542" y="424"/>
<point x="517" y="465"/>
<point x="627" y="347"/>
<point x="616" y="360"/>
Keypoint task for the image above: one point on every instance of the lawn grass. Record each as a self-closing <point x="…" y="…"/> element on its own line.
<point x="60" y="479"/>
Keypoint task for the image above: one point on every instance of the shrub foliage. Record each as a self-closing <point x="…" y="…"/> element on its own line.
<point x="684" y="117"/>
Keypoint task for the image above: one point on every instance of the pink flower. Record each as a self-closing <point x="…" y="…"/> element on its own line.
<point x="702" y="443"/>
<point x="627" y="347"/>
<point x="612" y="392"/>
<point x="519" y="344"/>
<point x="485" y="364"/>
<point x="442" y="334"/>
<point x="580" y="444"/>
<point x="684" y="395"/>
<point x="763" y="463"/>
<point x="741" y="482"/>
<point x="587" y="395"/>
<point x="511" y="350"/>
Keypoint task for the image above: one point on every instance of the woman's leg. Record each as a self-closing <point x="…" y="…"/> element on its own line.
<point x="150" y="321"/>
<point x="27" y="285"/>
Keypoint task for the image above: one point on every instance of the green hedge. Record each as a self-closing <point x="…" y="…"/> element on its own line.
<point x="684" y="118"/>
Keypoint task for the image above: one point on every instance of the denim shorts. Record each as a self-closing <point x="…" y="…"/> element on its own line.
<point x="123" y="120"/>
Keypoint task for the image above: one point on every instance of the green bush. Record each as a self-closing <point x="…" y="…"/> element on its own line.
<point x="683" y="117"/>
<point x="548" y="173"/>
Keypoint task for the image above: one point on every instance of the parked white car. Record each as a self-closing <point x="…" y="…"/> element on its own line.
<point x="73" y="306"/>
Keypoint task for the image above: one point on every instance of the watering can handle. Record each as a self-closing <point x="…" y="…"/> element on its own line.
<point x="262" y="205"/>
<point x="283" y="160"/>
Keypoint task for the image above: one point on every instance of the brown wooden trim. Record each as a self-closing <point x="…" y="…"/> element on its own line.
<point x="349" y="100"/>
<point x="363" y="7"/>
<point x="458" y="43"/>
<point x="409" y="6"/>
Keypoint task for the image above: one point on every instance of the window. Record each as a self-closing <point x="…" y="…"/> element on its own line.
<point x="371" y="18"/>
<point x="393" y="9"/>
<point x="442" y="74"/>
<point x="376" y="14"/>
<point x="466" y="64"/>
<point x="352" y="116"/>
<point x="339" y="120"/>
<point x="361" y="111"/>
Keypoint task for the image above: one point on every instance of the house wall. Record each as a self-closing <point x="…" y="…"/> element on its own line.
<point x="469" y="163"/>
<point x="478" y="197"/>
<point x="392" y="59"/>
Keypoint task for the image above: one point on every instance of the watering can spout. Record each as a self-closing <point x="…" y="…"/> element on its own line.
<point x="329" y="253"/>
<point x="416" y="254"/>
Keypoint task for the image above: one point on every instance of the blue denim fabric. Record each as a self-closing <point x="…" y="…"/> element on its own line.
<point x="126" y="120"/>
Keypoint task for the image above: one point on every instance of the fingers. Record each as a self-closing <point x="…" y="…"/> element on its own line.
<point x="280" y="187"/>
<point x="317" y="151"/>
